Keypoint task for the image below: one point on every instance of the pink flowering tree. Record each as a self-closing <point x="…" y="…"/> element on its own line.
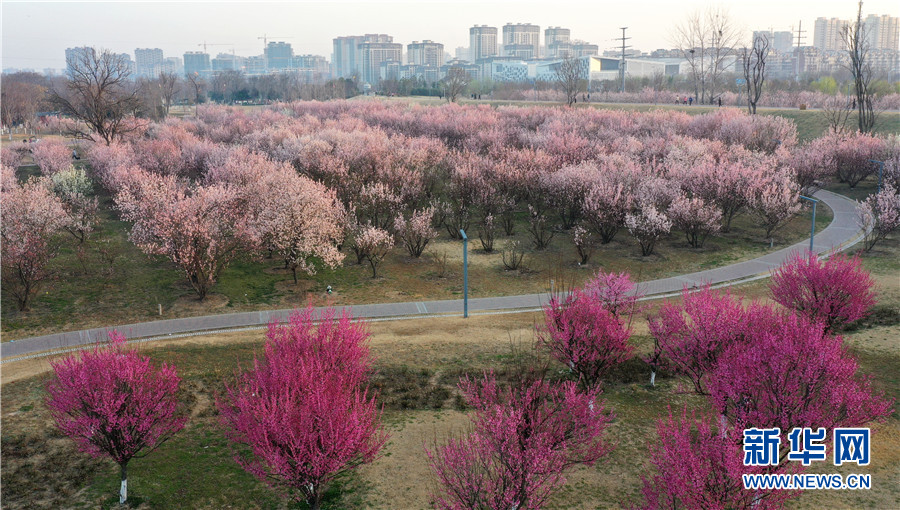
<point x="774" y="201"/>
<point x="113" y="402"/>
<point x="788" y="373"/>
<point x="699" y="467"/>
<point x="585" y="243"/>
<point x="695" y="218"/>
<point x="300" y="220"/>
<point x="52" y="156"/>
<point x="373" y="244"/>
<point x="580" y="333"/>
<point x="833" y="292"/>
<point x="851" y="155"/>
<point x="201" y="229"/>
<point x="691" y="335"/>
<point x="304" y="409"/>
<point x="416" y="232"/>
<point x="606" y="205"/>
<point x="523" y="439"/>
<point x="30" y="221"/>
<point x="648" y="225"/>
<point x="879" y="215"/>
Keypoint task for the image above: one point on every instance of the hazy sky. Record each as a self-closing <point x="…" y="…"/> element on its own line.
<point x="35" y="34"/>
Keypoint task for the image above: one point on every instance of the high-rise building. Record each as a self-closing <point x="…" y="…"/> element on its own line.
<point x="227" y="62"/>
<point x="170" y="65"/>
<point x="779" y="42"/>
<point x="584" y="49"/>
<point x="518" y="37"/>
<point x="74" y="57"/>
<point x="425" y="53"/>
<point x="346" y="59"/>
<point x="827" y="34"/>
<point x="196" y="62"/>
<point x="482" y="42"/>
<point x="312" y="68"/>
<point x="882" y="32"/>
<point x="147" y="61"/>
<point x="372" y="54"/>
<point x="278" y="56"/>
<point x="460" y="53"/>
<point x="557" y="41"/>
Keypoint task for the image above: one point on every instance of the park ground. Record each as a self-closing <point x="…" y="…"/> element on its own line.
<point x="418" y="364"/>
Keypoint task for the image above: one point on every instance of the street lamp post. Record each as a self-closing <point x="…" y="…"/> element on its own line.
<point x="465" y="240"/>
<point x="812" y="229"/>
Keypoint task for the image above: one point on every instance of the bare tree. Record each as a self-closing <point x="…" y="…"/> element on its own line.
<point x="455" y="83"/>
<point x="168" y="86"/>
<point x="198" y="86"/>
<point x="755" y="70"/>
<point x="569" y="78"/>
<point x="19" y="102"/>
<point x="707" y="40"/>
<point x="836" y="112"/>
<point x="99" y="94"/>
<point x="856" y="41"/>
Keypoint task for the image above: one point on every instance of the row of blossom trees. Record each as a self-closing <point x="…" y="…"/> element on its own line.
<point x="306" y="415"/>
<point x="300" y="180"/>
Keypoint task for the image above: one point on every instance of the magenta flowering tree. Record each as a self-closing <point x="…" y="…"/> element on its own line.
<point x="416" y="232"/>
<point x="113" y="402"/>
<point x="304" y="409"/>
<point x="699" y="467"/>
<point x="580" y="333"/>
<point x="788" y="373"/>
<point x="616" y="293"/>
<point x="879" y="215"/>
<point x="691" y="335"/>
<point x="832" y="291"/>
<point x="523" y="439"/>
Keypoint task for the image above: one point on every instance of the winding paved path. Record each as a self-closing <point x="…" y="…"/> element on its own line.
<point x="841" y="233"/>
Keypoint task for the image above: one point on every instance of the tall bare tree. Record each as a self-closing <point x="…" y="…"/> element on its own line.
<point x="569" y="78"/>
<point x="755" y="70"/>
<point x="198" y="86"/>
<point x="169" y="84"/>
<point x="707" y="40"/>
<point x="455" y="83"/>
<point x="856" y="41"/>
<point x="19" y="102"/>
<point x="98" y="93"/>
<point x="836" y="112"/>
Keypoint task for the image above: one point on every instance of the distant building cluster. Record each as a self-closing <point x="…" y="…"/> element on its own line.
<point x="515" y="52"/>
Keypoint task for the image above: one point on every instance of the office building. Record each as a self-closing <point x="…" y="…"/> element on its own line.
<point x="482" y="42"/>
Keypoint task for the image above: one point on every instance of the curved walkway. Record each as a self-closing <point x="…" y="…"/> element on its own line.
<point x="840" y="234"/>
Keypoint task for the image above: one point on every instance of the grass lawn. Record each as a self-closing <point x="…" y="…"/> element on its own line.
<point x="418" y="363"/>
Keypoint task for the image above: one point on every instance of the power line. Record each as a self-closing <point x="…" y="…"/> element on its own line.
<point x="622" y="63"/>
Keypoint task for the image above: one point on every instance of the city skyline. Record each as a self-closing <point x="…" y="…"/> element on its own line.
<point x="310" y="27"/>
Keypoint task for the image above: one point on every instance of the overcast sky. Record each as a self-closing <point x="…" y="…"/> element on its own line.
<point x="35" y="34"/>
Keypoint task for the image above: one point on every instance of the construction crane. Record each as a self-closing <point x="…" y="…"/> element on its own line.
<point x="205" y="44"/>
<point x="265" y="39"/>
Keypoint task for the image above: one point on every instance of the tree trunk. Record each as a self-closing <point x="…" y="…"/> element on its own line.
<point x="653" y="378"/>
<point x="123" y="489"/>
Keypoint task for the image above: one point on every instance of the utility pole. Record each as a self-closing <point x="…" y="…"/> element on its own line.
<point x="622" y="63"/>
<point x="799" y="53"/>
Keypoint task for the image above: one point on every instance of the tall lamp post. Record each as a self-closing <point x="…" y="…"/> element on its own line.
<point x="465" y="240"/>
<point x="812" y="229"/>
